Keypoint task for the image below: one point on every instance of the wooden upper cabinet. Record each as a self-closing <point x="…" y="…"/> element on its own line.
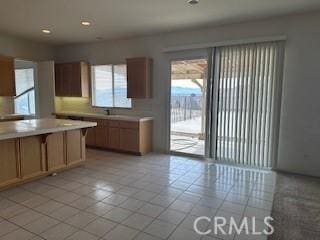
<point x="72" y="79"/>
<point x="139" y="77"/>
<point x="7" y="77"/>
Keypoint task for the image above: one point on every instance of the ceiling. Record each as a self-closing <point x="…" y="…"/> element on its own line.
<point x="114" y="19"/>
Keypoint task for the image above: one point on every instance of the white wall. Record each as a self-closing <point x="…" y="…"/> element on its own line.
<point x="299" y="149"/>
<point x="25" y="50"/>
<point x="46" y="89"/>
<point x="6" y="105"/>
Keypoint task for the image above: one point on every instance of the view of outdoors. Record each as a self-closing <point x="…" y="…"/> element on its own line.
<point x="25" y="98"/>
<point x="188" y="88"/>
<point x="109" y="86"/>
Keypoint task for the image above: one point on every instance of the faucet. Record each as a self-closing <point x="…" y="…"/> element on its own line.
<point x="107" y="111"/>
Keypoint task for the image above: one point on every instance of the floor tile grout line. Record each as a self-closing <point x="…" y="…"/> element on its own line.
<point x="157" y="193"/>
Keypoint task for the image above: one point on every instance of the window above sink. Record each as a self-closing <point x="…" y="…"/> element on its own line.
<point x="109" y="86"/>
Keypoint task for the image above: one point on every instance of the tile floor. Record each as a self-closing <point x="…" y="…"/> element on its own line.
<point x="122" y="197"/>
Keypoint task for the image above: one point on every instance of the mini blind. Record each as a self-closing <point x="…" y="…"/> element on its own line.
<point x="248" y="80"/>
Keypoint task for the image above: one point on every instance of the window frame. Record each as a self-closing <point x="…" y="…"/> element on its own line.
<point x="93" y="83"/>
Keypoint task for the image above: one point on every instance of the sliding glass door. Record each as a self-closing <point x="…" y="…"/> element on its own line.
<point x="227" y="106"/>
<point x="187" y="107"/>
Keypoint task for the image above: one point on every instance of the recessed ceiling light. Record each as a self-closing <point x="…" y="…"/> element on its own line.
<point x="85" y="23"/>
<point x="193" y="2"/>
<point x="46" y="31"/>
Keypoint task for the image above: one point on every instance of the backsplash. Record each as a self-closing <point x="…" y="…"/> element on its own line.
<point x="6" y="105"/>
<point x="141" y="107"/>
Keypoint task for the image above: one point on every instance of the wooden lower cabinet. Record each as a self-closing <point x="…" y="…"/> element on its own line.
<point x="91" y="133"/>
<point x="97" y="136"/>
<point x="23" y="159"/>
<point x="32" y="159"/>
<point x="114" y="138"/>
<point x="126" y="136"/>
<point x="101" y="134"/>
<point x="74" y="147"/>
<point x="91" y="137"/>
<point x="145" y="137"/>
<point x="129" y="140"/>
<point x="56" y="158"/>
<point x="9" y="162"/>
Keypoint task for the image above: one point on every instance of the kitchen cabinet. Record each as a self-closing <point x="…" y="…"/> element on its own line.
<point x="114" y="138"/>
<point x="9" y="164"/>
<point x="91" y="137"/>
<point x="129" y="139"/>
<point x="56" y="158"/>
<point x="101" y="133"/>
<point x="97" y="136"/>
<point x="91" y="133"/>
<point x="139" y="77"/>
<point x="27" y="158"/>
<point x="32" y="161"/>
<point x="127" y="136"/>
<point x="7" y="77"/>
<point x="74" y="147"/>
<point x="72" y="79"/>
<point x="132" y="136"/>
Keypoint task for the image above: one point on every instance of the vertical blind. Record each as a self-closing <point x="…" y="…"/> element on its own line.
<point x="248" y="89"/>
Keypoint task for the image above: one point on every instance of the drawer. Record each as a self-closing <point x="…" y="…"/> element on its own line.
<point x="113" y="123"/>
<point x="130" y="125"/>
<point x="100" y="122"/>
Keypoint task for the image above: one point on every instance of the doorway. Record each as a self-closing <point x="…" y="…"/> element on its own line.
<point x="187" y="106"/>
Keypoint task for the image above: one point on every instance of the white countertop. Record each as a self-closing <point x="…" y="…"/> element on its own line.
<point x="26" y="128"/>
<point x="105" y="116"/>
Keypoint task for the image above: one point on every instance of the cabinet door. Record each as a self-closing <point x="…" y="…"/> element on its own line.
<point x="91" y="133"/>
<point x="7" y="77"/>
<point x="68" y="80"/>
<point x="129" y="140"/>
<point x="114" y="138"/>
<point x="32" y="161"/>
<point x="59" y="80"/>
<point x="72" y="79"/>
<point x="56" y="152"/>
<point x="139" y="77"/>
<point x="74" y="147"/>
<point x="101" y="134"/>
<point x="91" y="137"/>
<point x="9" y="162"/>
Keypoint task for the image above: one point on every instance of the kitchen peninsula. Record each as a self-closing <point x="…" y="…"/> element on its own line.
<point x="33" y="148"/>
